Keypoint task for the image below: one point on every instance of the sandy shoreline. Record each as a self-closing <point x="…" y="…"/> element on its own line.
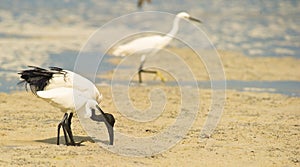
<point x="256" y="129"/>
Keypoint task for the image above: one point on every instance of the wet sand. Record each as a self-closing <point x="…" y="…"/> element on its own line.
<point x="236" y="66"/>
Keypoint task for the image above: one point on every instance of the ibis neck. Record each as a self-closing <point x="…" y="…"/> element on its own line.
<point x="175" y="27"/>
<point x="90" y="104"/>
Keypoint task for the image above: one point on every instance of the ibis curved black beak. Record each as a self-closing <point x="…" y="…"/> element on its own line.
<point x="110" y="130"/>
<point x="109" y="121"/>
<point x="194" y="19"/>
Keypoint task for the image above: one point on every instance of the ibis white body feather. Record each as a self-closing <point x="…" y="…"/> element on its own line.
<point x="70" y="91"/>
<point x="65" y="89"/>
<point x="75" y="81"/>
<point x="69" y="99"/>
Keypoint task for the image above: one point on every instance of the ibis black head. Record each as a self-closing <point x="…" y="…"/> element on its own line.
<point x="109" y="121"/>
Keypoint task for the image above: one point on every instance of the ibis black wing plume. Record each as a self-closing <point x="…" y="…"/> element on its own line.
<point x="37" y="78"/>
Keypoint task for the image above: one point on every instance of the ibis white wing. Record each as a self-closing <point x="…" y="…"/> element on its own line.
<point x="65" y="97"/>
<point x="69" y="79"/>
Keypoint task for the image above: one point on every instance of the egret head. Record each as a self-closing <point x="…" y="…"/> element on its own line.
<point x="184" y="15"/>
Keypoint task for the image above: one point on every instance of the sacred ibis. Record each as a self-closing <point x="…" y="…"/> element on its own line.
<point x="68" y="91"/>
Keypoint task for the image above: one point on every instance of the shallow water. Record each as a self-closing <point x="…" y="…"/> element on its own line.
<point x="256" y="28"/>
<point x="289" y="88"/>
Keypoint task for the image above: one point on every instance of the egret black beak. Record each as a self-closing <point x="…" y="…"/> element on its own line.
<point x="194" y="19"/>
<point x="109" y="121"/>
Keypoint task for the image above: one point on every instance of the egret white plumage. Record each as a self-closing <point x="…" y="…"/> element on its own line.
<point x="151" y="44"/>
<point x="68" y="91"/>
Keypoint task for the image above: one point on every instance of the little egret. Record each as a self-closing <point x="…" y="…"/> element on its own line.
<point x="68" y="91"/>
<point x="151" y="44"/>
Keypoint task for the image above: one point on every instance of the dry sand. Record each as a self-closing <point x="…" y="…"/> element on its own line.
<point x="256" y="129"/>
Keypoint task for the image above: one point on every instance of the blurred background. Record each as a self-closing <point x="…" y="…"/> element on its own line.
<point x="51" y="33"/>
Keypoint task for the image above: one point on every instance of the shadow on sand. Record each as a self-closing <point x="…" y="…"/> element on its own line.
<point x="84" y="139"/>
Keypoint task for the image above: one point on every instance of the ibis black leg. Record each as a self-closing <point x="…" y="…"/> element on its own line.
<point x="62" y="124"/>
<point x="69" y="130"/>
<point x="66" y="125"/>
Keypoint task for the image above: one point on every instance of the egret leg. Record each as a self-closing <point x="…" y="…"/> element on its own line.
<point x="145" y="71"/>
<point x="62" y="124"/>
<point x="141" y="70"/>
